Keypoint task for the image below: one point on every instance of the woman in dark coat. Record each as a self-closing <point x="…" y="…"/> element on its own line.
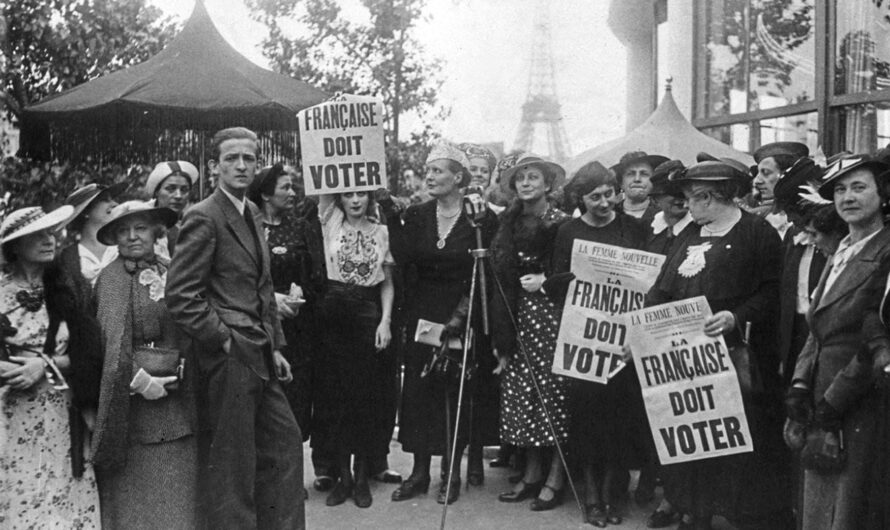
<point x="833" y="391"/>
<point x="145" y="441"/>
<point x="522" y="254"/>
<point x="733" y="259"/>
<point x="432" y="247"/>
<point x="602" y="415"/>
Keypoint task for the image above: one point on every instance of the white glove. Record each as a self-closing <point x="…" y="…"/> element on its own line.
<point x="148" y="386"/>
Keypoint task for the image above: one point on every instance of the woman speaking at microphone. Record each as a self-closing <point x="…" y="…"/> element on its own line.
<point x="432" y="245"/>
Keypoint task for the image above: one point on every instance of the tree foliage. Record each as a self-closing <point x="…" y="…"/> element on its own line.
<point x="47" y="46"/>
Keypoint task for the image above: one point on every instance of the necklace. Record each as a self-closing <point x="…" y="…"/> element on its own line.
<point x="440" y="244"/>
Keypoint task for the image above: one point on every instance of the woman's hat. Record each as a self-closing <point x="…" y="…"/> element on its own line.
<point x="711" y="171"/>
<point x="555" y="171"/>
<point x="637" y="157"/>
<point x="168" y="169"/>
<point x="798" y="183"/>
<point x="33" y="219"/>
<point x="255" y="190"/>
<point x="661" y="184"/>
<point x="443" y="150"/>
<point x="84" y="196"/>
<point x="844" y="165"/>
<point x="164" y="216"/>
<point x="792" y="149"/>
<point x="479" y="151"/>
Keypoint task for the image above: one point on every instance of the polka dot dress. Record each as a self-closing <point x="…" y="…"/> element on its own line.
<point x="523" y="422"/>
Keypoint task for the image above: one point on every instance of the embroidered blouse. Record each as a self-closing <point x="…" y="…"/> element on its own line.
<point x="354" y="255"/>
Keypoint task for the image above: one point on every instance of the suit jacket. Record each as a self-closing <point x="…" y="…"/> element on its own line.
<point x="788" y="294"/>
<point x="836" y="360"/>
<point x="219" y="286"/>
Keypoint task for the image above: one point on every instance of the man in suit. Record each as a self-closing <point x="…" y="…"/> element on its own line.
<point x="219" y="290"/>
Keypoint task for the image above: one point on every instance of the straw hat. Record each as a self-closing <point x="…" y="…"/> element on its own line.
<point x="164" y="216"/>
<point x="33" y="219"/>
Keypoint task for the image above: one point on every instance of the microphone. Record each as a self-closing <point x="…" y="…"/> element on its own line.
<point x="474" y="206"/>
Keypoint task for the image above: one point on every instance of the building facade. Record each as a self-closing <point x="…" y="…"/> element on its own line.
<point x="750" y="72"/>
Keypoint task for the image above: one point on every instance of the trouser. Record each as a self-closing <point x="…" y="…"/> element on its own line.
<point x="252" y="470"/>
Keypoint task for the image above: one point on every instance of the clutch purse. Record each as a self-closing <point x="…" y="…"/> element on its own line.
<point x="160" y="362"/>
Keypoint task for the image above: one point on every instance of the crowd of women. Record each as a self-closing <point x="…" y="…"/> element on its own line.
<point x="99" y="410"/>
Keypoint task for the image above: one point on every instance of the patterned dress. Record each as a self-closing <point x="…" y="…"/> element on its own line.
<point x="37" y="489"/>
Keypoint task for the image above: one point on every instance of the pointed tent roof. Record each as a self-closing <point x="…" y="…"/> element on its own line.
<point x="665" y="132"/>
<point x="197" y="81"/>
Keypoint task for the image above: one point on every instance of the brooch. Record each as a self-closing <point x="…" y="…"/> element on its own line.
<point x="695" y="260"/>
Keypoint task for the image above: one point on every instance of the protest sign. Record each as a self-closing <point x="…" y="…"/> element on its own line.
<point x="609" y="281"/>
<point x="689" y="383"/>
<point x="341" y="144"/>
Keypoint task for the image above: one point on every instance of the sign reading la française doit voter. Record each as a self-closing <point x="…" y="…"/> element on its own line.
<point x="689" y="383"/>
<point x="341" y="143"/>
<point x="609" y="281"/>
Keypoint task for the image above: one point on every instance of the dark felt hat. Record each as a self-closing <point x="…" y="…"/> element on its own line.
<point x="788" y="191"/>
<point x="557" y="174"/>
<point x="255" y="190"/>
<point x="843" y="166"/>
<point x="589" y="177"/>
<point x="637" y="157"/>
<point x="710" y="171"/>
<point x="660" y="180"/>
<point x="84" y="196"/>
<point x="793" y="149"/>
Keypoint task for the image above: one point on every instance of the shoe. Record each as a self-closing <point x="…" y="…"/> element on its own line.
<point x="323" y="483"/>
<point x="662" y="519"/>
<point x="453" y="493"/>
<point x="411" y="488"/>
<point x="499" y="462"/>
<point x="528" y="491"/>
<point x="362" y="495"/>
<point x="612" y="515"/>
<point x="540" y="505"/>
<point x="388" y="477"/>
<point x="475" y="479"/>
<point x="596" y="515"/>
<point x="339" y="494"/>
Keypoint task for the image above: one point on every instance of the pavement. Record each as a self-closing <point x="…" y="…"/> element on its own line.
<point x="477" y="508"/>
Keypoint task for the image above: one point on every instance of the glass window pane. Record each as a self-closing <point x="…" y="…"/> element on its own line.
<point x="737" y="135"/>
<point x="862" y="46"/>
<point x="864" y="128"/>
<point x="760" y="54"/>
<point x="803" y="128"/>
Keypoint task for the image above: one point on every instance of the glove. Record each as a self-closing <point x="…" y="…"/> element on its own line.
<point x="799" y="405"/>
<point x="827" y="417"/>
<point x="823" y="452"/>
<point x="150" y="387"/>
<point x="795" y="434"/>
<point x="557" y="285"/>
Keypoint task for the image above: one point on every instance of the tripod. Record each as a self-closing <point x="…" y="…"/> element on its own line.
<point x="480" y="258"/>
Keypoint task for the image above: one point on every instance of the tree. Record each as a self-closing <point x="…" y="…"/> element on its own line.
<point x="381" y="57"/>
<point x="47" y="46"/>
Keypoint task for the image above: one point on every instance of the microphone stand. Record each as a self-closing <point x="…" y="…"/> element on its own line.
<point x="480" y="257"/>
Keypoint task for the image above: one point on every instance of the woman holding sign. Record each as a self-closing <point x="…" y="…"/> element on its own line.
<point x="433" y="246"/>
<point x="356" y="312"/>
<point x="601" y="414"/>
<point x="734" y="260"/>
<point x="833" y="389"/>
<point x="522" y="249"/>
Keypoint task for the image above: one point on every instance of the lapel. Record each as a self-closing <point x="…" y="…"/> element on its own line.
<point x="857" y="272"/>
<point x="236" y="223"/>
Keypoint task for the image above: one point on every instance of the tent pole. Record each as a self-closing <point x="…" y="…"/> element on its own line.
<point x="201" y="173"/>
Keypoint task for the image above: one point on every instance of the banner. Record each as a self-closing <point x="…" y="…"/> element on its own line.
<point x="341" y="144"/>
<point x="609" y="281"/>
<point x="689" y="383"/>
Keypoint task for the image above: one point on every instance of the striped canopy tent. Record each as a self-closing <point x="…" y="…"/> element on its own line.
<point x="665" y="132"/>
<point x="167" y="107"/>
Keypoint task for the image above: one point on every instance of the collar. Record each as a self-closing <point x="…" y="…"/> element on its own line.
<point x="803" y="238"/>
<point x="846" y="249"/>
<point x="239" y="203"/>
<point x="152" y="262"/>
<point x="659" y="225"/>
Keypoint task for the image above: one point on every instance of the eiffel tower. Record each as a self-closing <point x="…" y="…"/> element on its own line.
<point x="541" y="109"/>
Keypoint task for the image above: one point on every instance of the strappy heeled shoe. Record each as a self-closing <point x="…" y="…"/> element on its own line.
<point x="541" y="505"/>
<point x="526" y="492"/>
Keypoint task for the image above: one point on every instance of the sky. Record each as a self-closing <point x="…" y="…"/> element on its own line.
<point x="486" y="47"/>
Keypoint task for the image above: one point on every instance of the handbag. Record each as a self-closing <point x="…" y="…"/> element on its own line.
<point x="159" y="362"/>
<point x="445" y="366"/>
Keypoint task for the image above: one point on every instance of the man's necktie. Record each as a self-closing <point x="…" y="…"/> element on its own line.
<point x="251" y="227"/>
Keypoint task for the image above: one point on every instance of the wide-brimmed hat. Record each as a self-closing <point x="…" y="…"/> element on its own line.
<point x="168" y="169"/>
<point x="661" y="184"/>
<point x="84" y="196"/>
<point x="798" y="183"/>
<point x="844" y="165"/>
<point x="33" y="219"/>
<point x="637" y="157"/>
<point x="793" y="149"/>
<point x="710" y="171"/>
<point x="556" y="172"/>
<point x="164" y="216"/>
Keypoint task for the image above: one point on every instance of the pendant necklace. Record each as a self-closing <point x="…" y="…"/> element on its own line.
<point x="440" y="244"/>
